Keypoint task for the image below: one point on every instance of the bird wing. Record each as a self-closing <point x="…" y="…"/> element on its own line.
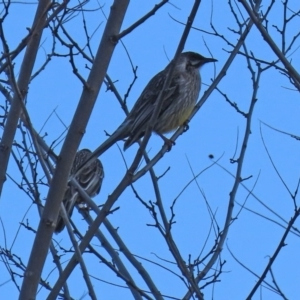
<point x="90" y="179"/>
<point x="91" y="176"/>
<point x="142" y="111"/>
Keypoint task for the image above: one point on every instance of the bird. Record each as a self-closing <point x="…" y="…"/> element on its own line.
<point x="178" y="101"/>
<point x="90" y="179"/>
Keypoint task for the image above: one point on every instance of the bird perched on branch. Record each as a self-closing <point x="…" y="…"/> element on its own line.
<point x="90" y="179"/>
<point x="178" y="101"/>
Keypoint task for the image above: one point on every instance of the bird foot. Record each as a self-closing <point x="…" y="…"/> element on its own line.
<point x="168" y="142"/>
<point x="186" y="126"/>
<point x="83" y="206"/>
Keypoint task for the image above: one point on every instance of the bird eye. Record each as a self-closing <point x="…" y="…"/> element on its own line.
<point x="189" y="64"/>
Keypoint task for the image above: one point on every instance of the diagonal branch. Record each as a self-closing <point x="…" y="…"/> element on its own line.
<point x="127" y="179"/>
<point x="74" y="136"/>
<point x="292" y="72"/>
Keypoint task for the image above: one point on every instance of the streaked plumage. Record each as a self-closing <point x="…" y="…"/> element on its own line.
<point x="90" y="179"/>
<point x="177" y="103"/>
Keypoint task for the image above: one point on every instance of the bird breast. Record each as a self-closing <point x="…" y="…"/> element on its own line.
<point x="183" y="102"/>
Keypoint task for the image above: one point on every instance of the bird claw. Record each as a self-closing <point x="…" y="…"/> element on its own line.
<point x="82" y="205"/>
<point x="186" y="127"/>
<point x="170" y="144"/>
<point x="167" y="141"/>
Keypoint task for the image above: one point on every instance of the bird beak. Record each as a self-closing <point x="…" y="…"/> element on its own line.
<point x="208" y="59"/>
<point x="202" y="61"/>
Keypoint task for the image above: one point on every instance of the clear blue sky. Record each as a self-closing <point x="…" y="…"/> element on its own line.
<point x="217" y="129"/>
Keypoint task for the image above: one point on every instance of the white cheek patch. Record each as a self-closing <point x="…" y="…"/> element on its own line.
<point x="195" y="62"/>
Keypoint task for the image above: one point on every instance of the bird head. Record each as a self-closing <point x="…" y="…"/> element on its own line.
<point x="195" y="60"/>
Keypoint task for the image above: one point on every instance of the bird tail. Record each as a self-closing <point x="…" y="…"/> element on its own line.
<point x="69" y="202"/>
<point x="119" y="134"/>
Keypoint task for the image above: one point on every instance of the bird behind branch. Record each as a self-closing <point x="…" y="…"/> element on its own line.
<point x="90" y="179"/>
<point x="178" y="101"/>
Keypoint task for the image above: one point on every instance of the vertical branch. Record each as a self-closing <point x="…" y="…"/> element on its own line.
<point x="128" y="178"/>
<point x="77" y="128"/>
<point x="223" y="235"/>
<point x="23" y="82"/>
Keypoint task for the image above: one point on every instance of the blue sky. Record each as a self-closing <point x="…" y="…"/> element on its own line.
<point x="216" y="129"/>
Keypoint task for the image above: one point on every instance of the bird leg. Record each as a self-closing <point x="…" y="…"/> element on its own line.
<point x="167" y="141"/>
